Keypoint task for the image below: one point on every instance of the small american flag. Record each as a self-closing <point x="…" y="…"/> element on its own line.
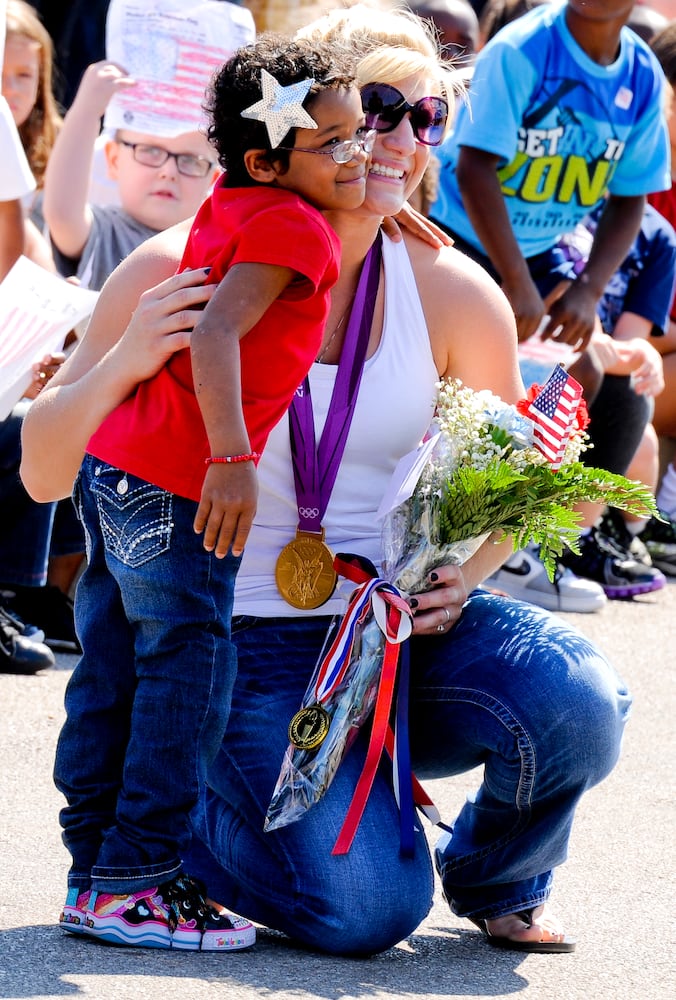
<point x="553" y="414"/>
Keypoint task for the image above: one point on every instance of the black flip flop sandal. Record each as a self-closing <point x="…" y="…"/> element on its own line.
<point x="544" y="947"/>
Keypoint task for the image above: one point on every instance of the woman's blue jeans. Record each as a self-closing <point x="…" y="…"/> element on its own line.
<point x="510" y="688"/>
<point x="148" y="702"/>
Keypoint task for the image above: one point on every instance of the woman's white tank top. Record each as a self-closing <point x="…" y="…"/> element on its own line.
<point x="393" y="411"/>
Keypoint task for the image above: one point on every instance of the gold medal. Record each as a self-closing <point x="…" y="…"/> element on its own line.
<point x="309" y="727"/>
<point x="304" y="572"/>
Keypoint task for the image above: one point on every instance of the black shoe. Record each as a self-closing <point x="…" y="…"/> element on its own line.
<point x="615" y="527"/>
<point x="19" y="655"/>
<point x="659" y="538"/>
<point x="620" y="575"/>
<point x="48" y="608"/>
<point x="31" y="632"/>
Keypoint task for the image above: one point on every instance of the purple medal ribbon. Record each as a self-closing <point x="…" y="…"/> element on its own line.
<point x="315" y="469"/>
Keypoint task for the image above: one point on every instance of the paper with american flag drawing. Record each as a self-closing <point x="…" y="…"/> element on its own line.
<point x="171" y="48"/>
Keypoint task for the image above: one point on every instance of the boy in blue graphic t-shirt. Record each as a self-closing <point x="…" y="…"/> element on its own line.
<point x="566" y="109"/>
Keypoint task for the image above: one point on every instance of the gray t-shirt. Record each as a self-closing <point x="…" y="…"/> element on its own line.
<point x="113" y="236"/>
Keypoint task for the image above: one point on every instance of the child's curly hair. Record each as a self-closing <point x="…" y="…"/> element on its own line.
<point x="237" y="85"/>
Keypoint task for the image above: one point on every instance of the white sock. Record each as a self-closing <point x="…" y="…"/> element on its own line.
<point x="666" y="496"/>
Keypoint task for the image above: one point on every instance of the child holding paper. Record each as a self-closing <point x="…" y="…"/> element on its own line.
<point x="148" y="702"/>
<point x="160" y="182"/>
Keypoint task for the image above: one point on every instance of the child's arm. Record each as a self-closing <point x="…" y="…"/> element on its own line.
<point x="229" y="494"/>
<point x="66" y="210"/>
<point x="485" y="206"/>
<point x="575" y="310"/>
<point x="633" y="356"/>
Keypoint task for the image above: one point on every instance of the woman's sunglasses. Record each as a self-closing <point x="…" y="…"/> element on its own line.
<point x="385" y="106"/>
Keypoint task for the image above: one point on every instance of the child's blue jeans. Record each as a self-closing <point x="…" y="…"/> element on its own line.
<point x="148" y="702"/>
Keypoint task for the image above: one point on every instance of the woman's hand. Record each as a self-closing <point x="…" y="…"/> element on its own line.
<point x="162" y="322"/>
<point x="438" y="609"/>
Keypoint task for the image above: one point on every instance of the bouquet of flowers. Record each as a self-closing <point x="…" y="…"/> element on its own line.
<point x="491" y="469"/>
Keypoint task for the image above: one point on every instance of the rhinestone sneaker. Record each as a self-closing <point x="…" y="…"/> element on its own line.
<point x="73" y="914"/>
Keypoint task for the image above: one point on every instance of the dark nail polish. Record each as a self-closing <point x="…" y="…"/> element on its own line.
<point x="413" y="603"/>
<point x="434" y="577"/>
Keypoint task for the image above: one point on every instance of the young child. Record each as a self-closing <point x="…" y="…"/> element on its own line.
<point x="148" y="702"/>
<point x="160" y="181"/>
<point x="27" y="84"/>
<point x="16" y="182"/>
<point x="664" y="47"/>
<point x="20" y="653"/>
<point x="566" y="115"/>
<point x="566" y="110"/>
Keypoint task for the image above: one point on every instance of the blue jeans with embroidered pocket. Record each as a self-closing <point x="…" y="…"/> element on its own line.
<point x="148" y="702"/>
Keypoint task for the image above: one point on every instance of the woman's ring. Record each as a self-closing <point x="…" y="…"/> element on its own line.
<point x="441" y="628"/>
<point x="448" y="615"/>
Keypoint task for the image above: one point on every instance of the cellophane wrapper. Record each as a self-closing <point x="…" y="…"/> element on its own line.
<point x="306" y="774"/>
<point x="411" y="551"/>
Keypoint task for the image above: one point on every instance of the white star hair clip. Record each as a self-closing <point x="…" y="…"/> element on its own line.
<point x="281" y="108"/>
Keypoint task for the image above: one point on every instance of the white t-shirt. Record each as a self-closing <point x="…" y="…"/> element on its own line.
<point x="394" y="410"/>
<point x="16" y="179"/>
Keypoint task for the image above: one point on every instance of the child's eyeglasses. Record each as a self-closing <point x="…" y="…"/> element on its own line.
<point x="385" y="106"/>
<point x="156" y="156"/>
<point x="342" y="152"/>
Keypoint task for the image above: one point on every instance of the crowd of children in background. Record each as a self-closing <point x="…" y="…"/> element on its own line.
<point x="159" y="181"/>
<point x="538" y="102"/>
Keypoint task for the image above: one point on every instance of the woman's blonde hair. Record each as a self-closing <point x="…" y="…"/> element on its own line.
<point x="39" y="131"/>
<point x="388" y="42"/>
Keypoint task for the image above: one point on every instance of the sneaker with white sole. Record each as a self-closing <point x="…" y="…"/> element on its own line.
<point x="172" y="915"/>
<point x="524" y="577"/>
<point x="659" y="538"/>
<point x="603" y="560"/>
<point x="73" y="914"/>
<point x="614" y="526"/>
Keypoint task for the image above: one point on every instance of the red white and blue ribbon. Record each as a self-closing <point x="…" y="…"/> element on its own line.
<point x="393" y="616"/>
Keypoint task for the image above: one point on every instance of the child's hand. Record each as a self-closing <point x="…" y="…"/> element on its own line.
<point x="572" y="316"/>
<point x="100" y="82"/>
<point x="634" y="357"/>
<point x="227" y="507"/>
<point x="42" y="371"/>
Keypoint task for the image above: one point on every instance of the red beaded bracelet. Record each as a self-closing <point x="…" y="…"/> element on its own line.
<point x="227" y="459"/>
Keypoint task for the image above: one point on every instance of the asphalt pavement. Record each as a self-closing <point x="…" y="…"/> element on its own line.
<point x="615" y="894"/>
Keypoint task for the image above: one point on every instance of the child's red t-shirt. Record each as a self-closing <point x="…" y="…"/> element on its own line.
<point x="158" y="433"/>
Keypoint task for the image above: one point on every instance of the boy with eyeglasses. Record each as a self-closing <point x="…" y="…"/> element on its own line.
<point x="167" y="493"/>
<point x="160" y="181"/>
